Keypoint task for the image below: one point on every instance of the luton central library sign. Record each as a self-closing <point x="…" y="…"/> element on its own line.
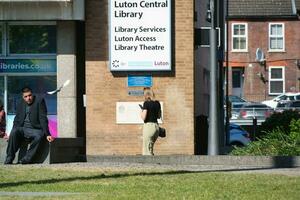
<point x="140" y="35"/>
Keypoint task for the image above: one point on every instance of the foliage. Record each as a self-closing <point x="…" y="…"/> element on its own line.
<point x="295" y="131"/>
<point x="277" y="142"/>
<point x="278" y="120"/>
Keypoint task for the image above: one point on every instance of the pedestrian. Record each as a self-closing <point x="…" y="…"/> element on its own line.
<point x="30" y="123"/>
<point x="2" y="122"/>
<point x="151" y="111"/>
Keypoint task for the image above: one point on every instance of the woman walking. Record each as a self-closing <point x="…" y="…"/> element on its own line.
<point x="151" y="111"/>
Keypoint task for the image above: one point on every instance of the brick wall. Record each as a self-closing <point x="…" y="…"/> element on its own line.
<point x="104" y="89"/>
<point x="254" y="88"/>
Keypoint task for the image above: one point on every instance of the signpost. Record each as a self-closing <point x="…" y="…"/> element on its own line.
<point x="140" y="35"/>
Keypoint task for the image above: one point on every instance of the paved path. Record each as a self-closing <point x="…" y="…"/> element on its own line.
<point x="123" y="166"/>
<point x="35" y="194"/>
<point x="194" y="168"/>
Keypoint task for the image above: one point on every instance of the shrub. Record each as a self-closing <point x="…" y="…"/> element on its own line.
<point x="295" y="131"/>
<point x="278" y="142"/>
<point x="278" y="120"/>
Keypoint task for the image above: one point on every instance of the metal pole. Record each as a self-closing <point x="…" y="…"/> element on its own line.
<point x="227" y="76"/>
<point x="254" y="128"/>
<point x="213" y="138"/>
<point x="220" y="24"/>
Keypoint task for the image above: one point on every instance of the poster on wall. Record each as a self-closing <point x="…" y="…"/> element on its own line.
<point x="130" y="113"/>
<point x="140" y="35"/>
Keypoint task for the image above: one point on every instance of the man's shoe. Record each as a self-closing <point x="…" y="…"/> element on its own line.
<point x="8" y="161"/>
<point x="24" y="162"/>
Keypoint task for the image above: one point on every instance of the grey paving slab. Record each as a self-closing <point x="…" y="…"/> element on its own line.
<point x="35" y="194"/>
<point x="126" y="166"/>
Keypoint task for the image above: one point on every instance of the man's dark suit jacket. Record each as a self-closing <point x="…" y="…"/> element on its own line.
<point x="37" y="115"/>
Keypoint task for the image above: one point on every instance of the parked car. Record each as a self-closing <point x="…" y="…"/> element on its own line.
<point x="290" y="105"/>
<point x="235" y="110"/>
<point x="282" y="98"/>
<point x="236" y="103"/>
<point x="255" y="110"/>
<point x="236" y="99"/>
<point x="238" y="136"/>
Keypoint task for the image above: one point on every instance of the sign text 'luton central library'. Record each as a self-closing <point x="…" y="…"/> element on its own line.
<point x="140" y="35"/>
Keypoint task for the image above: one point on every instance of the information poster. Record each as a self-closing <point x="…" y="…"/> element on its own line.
<point x="130" y="113"/>
<point x="140" y="35"/>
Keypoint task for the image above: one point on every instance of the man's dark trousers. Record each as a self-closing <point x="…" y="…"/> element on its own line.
<point x="18" y="135"/>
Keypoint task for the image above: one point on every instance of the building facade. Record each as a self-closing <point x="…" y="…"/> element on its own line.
<point x="271" y="27"/>
<point x="105" y="89"/>
<point x="46" y="43"/>
<point x="39" y="49"/>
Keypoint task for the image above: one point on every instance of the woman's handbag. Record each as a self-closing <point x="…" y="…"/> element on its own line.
<point x="162" y="132"/>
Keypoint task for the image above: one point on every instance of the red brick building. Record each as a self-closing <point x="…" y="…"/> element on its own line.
<point x="273" y="27"/>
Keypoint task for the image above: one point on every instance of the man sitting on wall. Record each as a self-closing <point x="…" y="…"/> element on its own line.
<point x="31" y="123"/>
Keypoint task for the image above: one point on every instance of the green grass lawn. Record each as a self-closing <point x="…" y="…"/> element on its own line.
<point x="145" y="184"/>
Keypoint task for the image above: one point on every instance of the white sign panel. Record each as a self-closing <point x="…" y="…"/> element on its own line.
<point x="130" y="113"/>
<point x="140" y="35"/>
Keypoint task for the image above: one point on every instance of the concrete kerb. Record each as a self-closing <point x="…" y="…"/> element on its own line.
<point x="238" y="161"/>
<point x="36" y="194"/>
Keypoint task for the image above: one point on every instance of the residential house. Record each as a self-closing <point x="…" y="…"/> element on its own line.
<point x="263" y="48"/>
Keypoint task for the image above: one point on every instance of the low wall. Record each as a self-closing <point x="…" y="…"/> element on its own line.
<point x="238" y="161"/>
<point x="61" y="150"/>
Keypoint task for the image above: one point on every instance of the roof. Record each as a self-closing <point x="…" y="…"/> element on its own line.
<point x="262" y="8"/>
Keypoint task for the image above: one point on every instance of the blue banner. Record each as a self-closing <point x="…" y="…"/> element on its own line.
<point x="139" y="81"/>
<point x="27" y="65"/>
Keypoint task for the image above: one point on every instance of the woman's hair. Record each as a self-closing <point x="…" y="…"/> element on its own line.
<point x="148" y="94"/>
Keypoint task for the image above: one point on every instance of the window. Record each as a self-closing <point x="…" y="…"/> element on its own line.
<point x="28" y="57"/>
<point x="282" y="97"/>
<point x="239" y="37"/>
<point x="1" y="39"/>
<point x="276" y="80"/>
<point x="276" y="37"/>
<point x="39" y="85"/>
<point x="32" y="39"/>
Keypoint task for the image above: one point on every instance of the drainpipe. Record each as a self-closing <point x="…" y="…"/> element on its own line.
<point x="294" y="7"/>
